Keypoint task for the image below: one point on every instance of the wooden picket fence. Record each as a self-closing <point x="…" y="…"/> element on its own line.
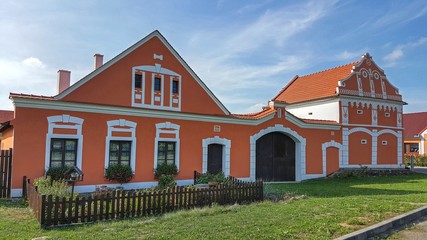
<point x="54" y="211"/>
<point x="5" y="172"/>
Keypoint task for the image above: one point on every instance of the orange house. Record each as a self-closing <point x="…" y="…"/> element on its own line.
<point x="415" y="125"/>
<point x="146" y="106"/>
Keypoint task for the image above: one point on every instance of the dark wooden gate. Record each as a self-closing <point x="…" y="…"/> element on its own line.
<point x="5" y="172"/>
<point x="215" y="158"/>
<point x="275" y="157"/>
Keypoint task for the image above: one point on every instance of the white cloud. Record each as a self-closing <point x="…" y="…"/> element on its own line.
<point x="33" y="62"/>
<point x="398" y="52"/>
<point x="27" y="76"/>
<point x="347" y="55"/>
<point x="255" y="108"/>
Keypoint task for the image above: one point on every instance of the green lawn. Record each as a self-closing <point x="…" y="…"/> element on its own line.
<point x="317" y="209"/>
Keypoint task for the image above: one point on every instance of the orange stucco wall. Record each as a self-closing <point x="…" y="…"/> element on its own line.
<point x="332" y="160"/>
<point x="387" y="152"/>
<point x="360" y="153"/>
<point x="7" y="139"/>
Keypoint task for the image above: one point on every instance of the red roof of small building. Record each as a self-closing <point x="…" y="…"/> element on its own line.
<point x="32" y="96"/>
<point x="6" y="116"/>
<point x="314" y="86"/>
<point x="265" y="112"/>
<point x="414" y="123"/>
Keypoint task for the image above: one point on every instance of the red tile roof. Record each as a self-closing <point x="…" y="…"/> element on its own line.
<point x="6" y="116"/>
<point x="314" y="86"/>
<point x="258" y="115"/>
<point x="317" y="121"/>
<point x="414" y="123"/>
<point x="22" y="95"/>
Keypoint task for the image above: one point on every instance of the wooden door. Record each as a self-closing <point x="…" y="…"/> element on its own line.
<point x="275" y="157"/>
<point x="215" y="158"/>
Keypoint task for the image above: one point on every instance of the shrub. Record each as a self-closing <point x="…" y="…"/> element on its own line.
<point x="420" y="160"/>
<point x="48" y="186"/>
<point x="166" y="181"/>
<point x="119" y="173"/>
<point x="209" y="177"/>
<point x="166" y="169"/>
<point x="57" y="173"/>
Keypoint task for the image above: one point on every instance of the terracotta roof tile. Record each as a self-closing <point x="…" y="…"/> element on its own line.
<point x="257" y="115"/>
<point x="314" y="86"/>
<point x="414" y="123"/>
<point x="317" y="121"/>
<point x="22" y="95"/>
<point x="6" y="116"/>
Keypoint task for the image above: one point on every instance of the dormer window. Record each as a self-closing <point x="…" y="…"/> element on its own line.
<point x="157" y="84"/>
<point x="175" y="87"/>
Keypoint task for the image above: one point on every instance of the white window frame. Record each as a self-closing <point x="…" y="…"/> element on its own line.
<point x="167" y="128"/>
<point x="64" y="122"/>
<point x="121" y="125"/>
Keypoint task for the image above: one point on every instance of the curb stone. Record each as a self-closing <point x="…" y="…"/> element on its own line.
<point x="387" y="227"/>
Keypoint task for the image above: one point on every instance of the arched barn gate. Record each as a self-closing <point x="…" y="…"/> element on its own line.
<point x="275" y="157"/>
<point x="286" y="152"/>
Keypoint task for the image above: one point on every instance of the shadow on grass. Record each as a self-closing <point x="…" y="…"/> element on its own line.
<point x="355" y="186"/>
<point x="13" y="203"/>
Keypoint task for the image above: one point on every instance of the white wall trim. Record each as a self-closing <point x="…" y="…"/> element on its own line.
<point x="128" y="111"/>
<point x="169" y="128"/>
<point x="327" y="145"/>
<point x="225" y="153"/>
<point x="113" y="127"/>
<point x="293" y="119"/>
<point x="58" y="121"/>
<point x="300" y="148"/>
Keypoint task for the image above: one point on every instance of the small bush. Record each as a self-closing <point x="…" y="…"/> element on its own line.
<point x="166" y="169"/>
<point x="57" y="173"/>
<point x="166" y="181"/>
<point x="209" y="177"/>
<point x="48" y="186"/>
<point x="420" y="160"/>
<point x="119" y="173"/>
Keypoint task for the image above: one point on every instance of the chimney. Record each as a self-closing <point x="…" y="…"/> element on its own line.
<point x="97" y="61"/>
<point x="63" y="80"/>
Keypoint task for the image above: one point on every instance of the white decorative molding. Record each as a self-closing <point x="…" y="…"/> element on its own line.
<point x="300" y="148"/>
<point x="374" y="116"/>
<point x="73" y="123"/>
<point x="137" y="112"/>
<point x="168" y="128"/>
<point x="327" y="145"/>
<point x="225" y="153"/>
<point x="174" y="100"/>
<point x="121" y="125"/>
<point x="160" y="57"/>
<point x="374" y="135"/>
<point x="279" y="113"/>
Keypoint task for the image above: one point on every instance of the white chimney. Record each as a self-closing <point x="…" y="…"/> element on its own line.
<point x="97" y="61"/>
<point x="63" y="80"/>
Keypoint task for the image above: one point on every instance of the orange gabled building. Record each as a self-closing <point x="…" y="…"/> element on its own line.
<point x="150" y="105"/>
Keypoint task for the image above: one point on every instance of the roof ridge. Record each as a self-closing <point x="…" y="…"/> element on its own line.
<point x="344" y="65"/>
<point x="415" y="113"/>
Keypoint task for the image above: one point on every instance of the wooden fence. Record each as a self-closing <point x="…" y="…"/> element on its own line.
<point x="5" y="172"/>
<point x="55" y="211"/>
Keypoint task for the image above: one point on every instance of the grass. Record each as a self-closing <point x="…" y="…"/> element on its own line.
<point x="317" y="209"/>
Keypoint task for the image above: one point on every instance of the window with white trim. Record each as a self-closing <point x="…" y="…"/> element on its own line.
<point x="359" y="111"/>
<point x="64" y="148"/>
<point x="166" y="148"/>
<point x="387" y="114"/>
<point x="120" y="143"/>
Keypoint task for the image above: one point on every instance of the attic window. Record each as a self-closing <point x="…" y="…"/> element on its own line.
<point x="359" y="111"/>
<point x="364" y="141"/>
<point x="157" y="84"/>
<point x="175" y="87"/>
<point x="384" y="142"/>
<point x="387" y="114"/>
<point x="310" y="113"/>
<point x="138" y="80"/>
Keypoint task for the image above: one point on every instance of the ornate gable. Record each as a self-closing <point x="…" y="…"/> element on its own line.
<point x="368" y="80"/>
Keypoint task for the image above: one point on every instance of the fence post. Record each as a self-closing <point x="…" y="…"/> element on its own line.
<point x="412" y="162"/>
<point x="24" y="187"/>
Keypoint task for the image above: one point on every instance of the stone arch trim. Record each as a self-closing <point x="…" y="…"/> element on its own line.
<point x="300" y="145"/>
<point x="327" y="145"/>
<point x="225" y="153"/>
<point x="64" y="121"/>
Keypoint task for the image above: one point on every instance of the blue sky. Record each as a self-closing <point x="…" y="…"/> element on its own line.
<point x="245" y="51"/>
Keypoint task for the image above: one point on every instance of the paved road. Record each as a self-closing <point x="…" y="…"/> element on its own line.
<point x="420" y="170"/>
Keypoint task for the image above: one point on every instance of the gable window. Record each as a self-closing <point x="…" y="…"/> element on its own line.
<point x="138" y="81"/>
<point x="157" y="84"/>
<point x="63" y="152"/>
<point x="120" y="152"/>
<point x="166" y="153"/>
<point x="175" y="87"/>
